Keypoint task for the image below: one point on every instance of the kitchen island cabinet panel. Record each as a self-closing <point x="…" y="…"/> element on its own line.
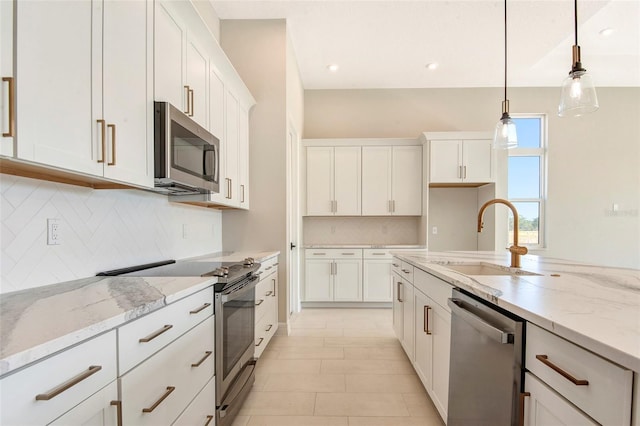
<point x="100" y="409"/>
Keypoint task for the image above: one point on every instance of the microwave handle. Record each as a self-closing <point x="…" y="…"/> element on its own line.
<point x="204" y="160"/>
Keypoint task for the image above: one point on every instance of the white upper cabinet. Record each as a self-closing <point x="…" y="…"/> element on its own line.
<point x="333" y="181"/>
<point x="243" y="157"/>
<point x="196" y="83"/>
<point x="7" y="89"/>
<point x="90" y="111"/>
<point x="230" y="185"/>
<point x="391" y="180"/>
<point x="458" y="161"/>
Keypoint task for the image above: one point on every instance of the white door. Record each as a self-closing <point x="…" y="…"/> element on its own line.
<point x="423" y="340"/>
<point x="169" y="45"/>
<point x="398" y="314"/>
<point x="376" y="180"/>
<point x="7" y="126"/>
<point x="347" y="280"/>
<point x="197" y="84"/>
<point x="53" y="84"/>
<point x="293" y="185"/>
<point x="126" y="97"/>
<point x="440" y="324"/>
<point x="377" y="281"/>
<point x="319" y="181"/>
<point x="408" y="320"/>
<point x="477" y="157"/>
<point x="445" y="161"/>
<point x="346" y="169"/>
<point x="545" y="407"/>
<point x="230" y="185"/>
<point x="318" y="283"/>
<point x="407" y="180"/>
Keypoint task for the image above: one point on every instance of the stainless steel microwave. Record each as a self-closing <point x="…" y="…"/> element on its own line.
<point x="187" y="156"/>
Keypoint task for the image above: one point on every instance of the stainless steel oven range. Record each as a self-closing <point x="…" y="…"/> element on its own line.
<point x="234" y="310"/>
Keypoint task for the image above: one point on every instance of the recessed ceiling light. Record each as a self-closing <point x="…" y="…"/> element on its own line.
<point x="606" y="32"/>
<point x="333" y="67"/>
<point x="432" y="66"/>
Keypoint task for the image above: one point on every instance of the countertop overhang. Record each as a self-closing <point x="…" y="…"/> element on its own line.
<point x="596" y="307"/>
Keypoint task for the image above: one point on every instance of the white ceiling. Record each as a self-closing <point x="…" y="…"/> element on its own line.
<point x="387" y="44"/>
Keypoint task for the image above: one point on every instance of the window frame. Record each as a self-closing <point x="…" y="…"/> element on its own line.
<point x="542" y="153"/>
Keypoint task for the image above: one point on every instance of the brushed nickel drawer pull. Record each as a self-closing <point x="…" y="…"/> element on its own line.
<point x="118" y="405"/>
<point x="379" y="254"/>
<point x="269" y="327"/>
<point x="268" y="268"/>
<point x="259" y="342"/>
<point x="209" y="418"/>
<point x="158" y="402"/>
<point x="269" y="293"/>
<point x="200" y="309"/>
<point x="93" y="369"/>
<point x="258" y="303"/>
<point x="274" y="286"/>
<point x="113" y="144"/>
<point x="426" y="319"/>
<point x="395" y="265"/>
<point x="156" y="334"/>
<point x="399" y="300"/>
<point x="275" y="264"/>
<point x="348" y="254"/>
<point x="207" y="354"/>
<point x="12" y="115"/>
<point x="545" y="360"/>
<point x="406" y="271"/>
<point x="319" y="254"/>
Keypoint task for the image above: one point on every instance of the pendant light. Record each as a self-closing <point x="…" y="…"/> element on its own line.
<point x="505" y="136"/>
<point x="578" y="92"/>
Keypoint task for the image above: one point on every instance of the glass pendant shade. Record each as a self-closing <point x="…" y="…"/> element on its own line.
<point x="505" y="136"/>
<point x="578" y="95"/>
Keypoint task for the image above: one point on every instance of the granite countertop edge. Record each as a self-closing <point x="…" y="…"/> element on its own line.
<point x="592" y="306"/>
<point x="88" y="307"/>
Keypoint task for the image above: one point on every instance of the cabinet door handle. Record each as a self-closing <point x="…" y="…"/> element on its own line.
<point x="269" y="327"/>
<point x="395" y="265"/>
<point x="187" y="89"/>
<point x="200" y="309"/>
<point x="156" y="334"/>
<point x="11" y="100"/>
<point x="426" y="319"/>
<point x="93" y="369"/>
<point x="242" y="193"/>
<point x="460" y="172"/>
<point x="118" y="405"/>
<point x="113" y="144"/>
<point x="393" y="206"/>
<point x="389" y="206"/>
<point x="103" y="135"/>
<point x="398" y="293"/>
<point x="465" y="172"/>
<point x="209" y="418"/>
<point x="259" y="302"/>
<point x="348" y="254"/>
<point x="274" y="287"/>
<point x="191" y="95"/>
<point x="523" y="395"/>
<point x="379" y="254"/>
<point x="259" y="341"/>
<point x="269" y="293"/>
<point x="268" y="268"/>
<point x="406" y="271"/>
<point x="207" y="354"/>
<point x="230" y="189"/>
<point x="545" y="360"/>
<point x="159" y="401"/>
<point x="319" y="254"/>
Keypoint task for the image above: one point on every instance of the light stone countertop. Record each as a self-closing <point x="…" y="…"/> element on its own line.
<point x="38" y="322"/>
<point x="595" y="307"/>
<point x="364" y="246"/>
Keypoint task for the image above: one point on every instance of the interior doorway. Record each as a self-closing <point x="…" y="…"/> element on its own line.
<point x="293" y="219"/>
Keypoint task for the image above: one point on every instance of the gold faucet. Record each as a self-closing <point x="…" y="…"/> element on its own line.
<point x="515" y="249"/>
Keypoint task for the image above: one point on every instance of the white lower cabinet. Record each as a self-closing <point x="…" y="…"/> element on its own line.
<point x="544" y="407"/>
<point x="46" y="390"/>
<point x="333" y="275"/>
<point x="398" y="311"/>
<point x="159" y="389"/>
<point x="266" y="305"/>
<point x="101" y="409"/>
<point x="377" y="281"/>
<point x="202" y="411"/>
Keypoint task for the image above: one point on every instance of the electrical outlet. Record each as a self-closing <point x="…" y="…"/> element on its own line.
<point x="54" y="236"/>
<point x="434" y="230"/>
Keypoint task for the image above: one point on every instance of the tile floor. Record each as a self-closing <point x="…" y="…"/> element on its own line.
<point x="339" y="367"/>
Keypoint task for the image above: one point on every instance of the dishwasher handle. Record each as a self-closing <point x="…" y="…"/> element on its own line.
<point x="457" y="308"/>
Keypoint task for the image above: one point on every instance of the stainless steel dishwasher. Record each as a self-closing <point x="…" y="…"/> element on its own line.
<point x="485" y="373"/>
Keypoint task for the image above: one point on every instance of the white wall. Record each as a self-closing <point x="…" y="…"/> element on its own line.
<point x="594" y="161"/>
<point x="100" y="230"/>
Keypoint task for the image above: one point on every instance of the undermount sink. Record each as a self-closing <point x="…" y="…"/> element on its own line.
<point x="487" y="269"/>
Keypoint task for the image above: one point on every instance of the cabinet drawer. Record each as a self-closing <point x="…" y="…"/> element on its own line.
<point x="265" y="329"/>
<point x="41" y="393"/>
<point x="406" y="271"/>
<point x="376" y="254"/>
<point x="265" y="294"/>
<point x="559" y="363"/>
<point x="333" y="253"/>
<point x="438" y="290"/>
<point x="202" y="410"/>
<point x="98" y="409"/>
<point x="158" y="390"/>
<point x="144" y="336"/>
<point x="396" y="266"/>
<point x="267" y="266"/>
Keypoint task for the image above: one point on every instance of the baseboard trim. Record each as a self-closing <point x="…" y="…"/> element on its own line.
<point x="365" y="305"/>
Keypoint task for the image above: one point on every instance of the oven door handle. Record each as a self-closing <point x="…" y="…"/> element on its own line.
<point x="253" y="281"/>
<point x="237" y="386"/>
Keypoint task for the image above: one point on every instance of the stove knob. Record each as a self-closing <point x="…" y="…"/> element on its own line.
<point x="218" y="272"/>
<point x="225" y="271"/>
<point x="248" y="261"/>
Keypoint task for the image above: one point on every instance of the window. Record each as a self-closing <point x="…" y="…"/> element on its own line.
<point x="527" y="179"/>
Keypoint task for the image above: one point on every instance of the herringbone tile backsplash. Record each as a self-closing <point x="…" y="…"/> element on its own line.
<point x="99" y="229"/>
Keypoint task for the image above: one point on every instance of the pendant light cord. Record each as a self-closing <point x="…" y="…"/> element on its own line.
<point x="575" y="19"/>
<point x="505" y="49"/>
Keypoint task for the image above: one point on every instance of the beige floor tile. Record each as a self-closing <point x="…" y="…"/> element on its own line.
<point x="360" y="404"/>
<point x="269" y="354"/>
<point x="261" y="379"/>
<point x="419" y="405"/>
<point x="306" y="383"/>
<point x="312" y="323"/>
<point x="369" y="366"/>
<point x="296" y="341"/>
<point x="289" y="366"/>
<point x="361" y="341"/>
<point x="389" y="352"/>
<point x="278" y="404"/>
<point x="381" y="383"/>
<point x="317" y="332"/>
<point x="368" y="332"/>
<point x="395" y="421"/>
<point x="240" y="421"/>
<point x="310" y="353"/>
<point x="297" y="421"/>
